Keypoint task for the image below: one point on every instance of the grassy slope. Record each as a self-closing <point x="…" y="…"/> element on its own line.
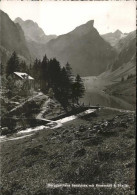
<point x="82" y="151"/>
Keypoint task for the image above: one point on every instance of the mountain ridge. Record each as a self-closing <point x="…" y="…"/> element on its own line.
<point x="83" y="48"/>
<point x="12" y="38"/>
<point x="125" y="63"/>
<point x="33" y="32"/>
<point x="113" y="37"/>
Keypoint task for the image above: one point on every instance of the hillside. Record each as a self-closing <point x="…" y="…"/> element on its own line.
<point x="127" y="48"/>
<point x="37" y="50"/>
<point x="84" y="49"/>
<point x="12" y="39"/>
<point x="81" y="152"/>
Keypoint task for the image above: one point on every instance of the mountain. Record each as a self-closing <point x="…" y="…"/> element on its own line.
<point x="12" y="39"/>
<point x="37" y="50"/>
<point x="33" y="32"/>
<point x="35" y="37"/>
<point x="113" y="38"/>
<point x="126" y="42"/>
<point x="86" y="51"/>
<point x="125" y="63"/>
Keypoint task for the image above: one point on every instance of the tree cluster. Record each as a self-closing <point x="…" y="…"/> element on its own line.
<point x="15" y="65"/>
<point x="15" y="88"/>
<point x="130" y="76"/>
<point x="50" y="78"/>
<point x="58" y="81"/>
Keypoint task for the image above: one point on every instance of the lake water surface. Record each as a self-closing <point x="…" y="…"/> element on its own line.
<point x="95" y="95"/>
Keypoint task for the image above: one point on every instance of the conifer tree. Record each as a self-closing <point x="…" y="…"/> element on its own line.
<point x="2" y="68"/>
<point x="54" y="73"/>
<point x="44" y="73"/>
<point x="13" y="64"/>
<point x="65" y="86"/>
<point x="69" y="71"/>
<point x="23" y="67"/>
<point x="36" y="69"/>
<point x="78" y="89"/>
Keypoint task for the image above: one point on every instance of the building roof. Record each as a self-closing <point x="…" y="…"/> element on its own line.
<point x="23" y="75"/>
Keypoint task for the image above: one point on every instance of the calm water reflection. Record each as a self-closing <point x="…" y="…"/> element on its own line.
<point x="96" y="97"/>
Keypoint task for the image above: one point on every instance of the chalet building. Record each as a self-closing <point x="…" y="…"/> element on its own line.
<point x="24" y="77"/>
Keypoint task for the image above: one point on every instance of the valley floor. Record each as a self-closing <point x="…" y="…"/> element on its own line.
<point x="95" y="149"/>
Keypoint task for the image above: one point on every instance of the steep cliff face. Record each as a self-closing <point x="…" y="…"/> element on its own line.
<point x="33" y="32"/>
<point x="35" y="37"/>
<point x="125" y="63"/>
<point x="12" y="37"/>
<point x="127" y="51"/>
<point x="113" y="38"/>
<point x="86" y="51"/>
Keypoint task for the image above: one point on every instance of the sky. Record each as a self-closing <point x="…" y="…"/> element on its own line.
<point x="61" y="17"/>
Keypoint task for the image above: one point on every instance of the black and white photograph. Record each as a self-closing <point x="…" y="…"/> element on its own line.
<point x="68" y="97"/>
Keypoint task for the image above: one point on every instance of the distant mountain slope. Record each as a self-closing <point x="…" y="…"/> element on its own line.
<point x="127" y="51"/>
<point x="113" y="38"/>
<point x="37" y="50"/>
<point x="12" y="38"/>
<point x="125" y="63"/>
<point x="86" y="51"/>
<point x="33" y="32"/>
<point x="124" y="43"/>
<point x="126" y="88"/>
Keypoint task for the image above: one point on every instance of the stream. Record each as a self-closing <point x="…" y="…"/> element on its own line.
<point x="52" y="125"/>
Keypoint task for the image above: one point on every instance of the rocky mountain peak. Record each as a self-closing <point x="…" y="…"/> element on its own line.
<point x="118" y="34"/>
<point x="83" y="48"/>
<point x="84" y="28"/>
<point x="18" y="20"/>
<point x="33" y="32"/>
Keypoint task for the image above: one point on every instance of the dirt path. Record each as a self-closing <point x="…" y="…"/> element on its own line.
<point x="51" y="124"/>
<point x="44" y="108"/>
<point x="21" y="105"/>
<point x="117" y="109"/>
